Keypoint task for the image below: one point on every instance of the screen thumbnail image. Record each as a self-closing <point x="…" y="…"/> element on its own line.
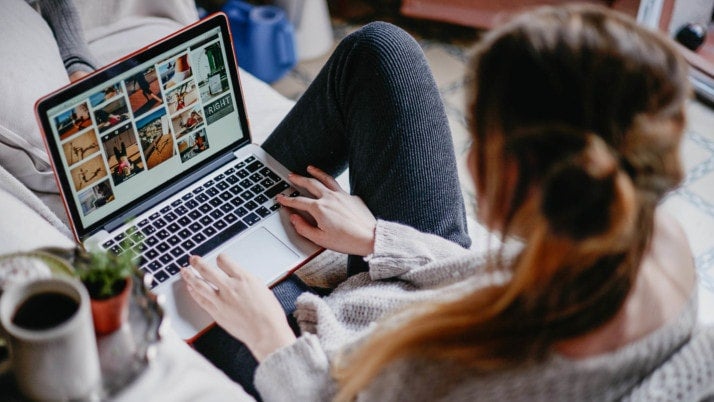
<point x="73" y="120"/>
<point x="144" y="91"/>
<point x="210" y="71"/>
<point x="192" y="145"/>
<point x="96" y="197"/>
<point x="175" y="70"/>
<point x="187" y="121"/>
<point x="81" y="146"/>
<point x="111" y="114"/>
<point x="122" y="152"/>
<point x="106" y="94"/>
<point x="182" y="97"/>
<point x="155" y="138"/>
<point x="88" y="172"/>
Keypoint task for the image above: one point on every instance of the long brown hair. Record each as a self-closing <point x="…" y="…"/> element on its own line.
<point x="590" y="108"/>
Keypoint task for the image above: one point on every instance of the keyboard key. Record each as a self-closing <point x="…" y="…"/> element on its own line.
<point x="173" y="228"/>
<point x="257" y="189"/>
<point x="251" y="219"/>
<point x="243" y="173"/>
<point x="214" y="242"/>
<point x="162" y="234"/>
<point x="232" y="179"/>
<point x="261" y="199"/>
<point x="198" y="238"/>
<point x="246" y="183"/>
<point x="184" y="221"/>
<point x="159" y="223"/>
<point x="220" y="225"/>
<point x="226" y="195"/>
<point x="202" y="198"/>
<point x="176" y="203"/>
<point x="195" y="214"/>
<point x="161" y="276"/>
<point x="173" y="240"/>
<point x="205" y="208"/>
<point x="251" y="205"/>
<point x="108" y="243"/>
<point x="254" y="166"/>
<point x="263" y="211"/>
<point x="237" y="201"/>
<point x="209" y="231"/>
<point x="267" y="183"/>
<point x="188" y="244"/>
<point x="208" y="184"/>
<point x="150" y="254"/>
<point x="176" y="252"/>
<point x="170" y="217"/>
<point x="165" y="209"/>
<point x="187" y="196"/>
<point x="166" y="258"/>
<point x="192" y="204"/>
<point x="230" y="218"/>
<point x="180" y="211"/>
<point x="153" y="266"/>
<point x="195" y="227"/>
<point x="275" y="207"/>
<point x="116" y="249"/>
<point x="216" y="213"/>
<point x="227" y="207"/>
<point x="247" y="195"/>
<point x="197" y="190"/>
<point x="222" y="185"/>
<point x="120" y="237"/>
<point x="256" y="177"/>
<point x="211" y="192"/>
<point x="162" y="247"/>
<point x="173" y="269"/>
<point x="277" y="189"/>
<point x="242" y="211"/>
<point x="143" y="223"/>
<point x="205" y="221"/>
<point x="184" y="234"/>
<point x="148" y="230"/>
<point x="215" y="202"/>
<point x="249" y="159"/>
<point x="154" y="216"/>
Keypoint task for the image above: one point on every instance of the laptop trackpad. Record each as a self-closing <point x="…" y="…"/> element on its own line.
<point x="262" y="254"/>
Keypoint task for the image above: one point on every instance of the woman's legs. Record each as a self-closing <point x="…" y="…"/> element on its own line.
<point x="375" y="107"/>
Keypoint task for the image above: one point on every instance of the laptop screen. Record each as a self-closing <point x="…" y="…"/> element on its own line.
<point x="145" y="121"/>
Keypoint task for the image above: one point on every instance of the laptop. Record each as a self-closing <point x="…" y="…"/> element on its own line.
<point x="153" y="156"/>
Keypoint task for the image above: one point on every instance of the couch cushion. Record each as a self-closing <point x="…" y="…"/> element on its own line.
<point x="29" y="50"/>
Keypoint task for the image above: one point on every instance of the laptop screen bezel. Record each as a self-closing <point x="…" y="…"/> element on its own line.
<point x="115" y="69"/>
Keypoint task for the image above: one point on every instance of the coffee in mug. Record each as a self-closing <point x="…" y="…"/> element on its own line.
<point x="53" y="352"/>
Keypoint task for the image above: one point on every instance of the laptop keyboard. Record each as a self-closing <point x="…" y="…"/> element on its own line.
<point x="202" y="219"/>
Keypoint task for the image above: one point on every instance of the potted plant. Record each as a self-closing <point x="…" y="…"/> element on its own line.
<point x="108" y="279"/>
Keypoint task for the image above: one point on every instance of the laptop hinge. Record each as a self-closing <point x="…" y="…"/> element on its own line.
<point x="167" y="192"/>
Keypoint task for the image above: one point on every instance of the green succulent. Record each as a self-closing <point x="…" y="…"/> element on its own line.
<point x="102" y="272"/>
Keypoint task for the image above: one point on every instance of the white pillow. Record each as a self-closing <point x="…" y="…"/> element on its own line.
<point x="31" y="67"/>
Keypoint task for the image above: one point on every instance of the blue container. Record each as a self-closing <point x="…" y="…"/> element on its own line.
<point x="263" y="38"/>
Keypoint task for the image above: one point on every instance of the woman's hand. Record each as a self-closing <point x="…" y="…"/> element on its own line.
<point x="240" y="303"/>
<point x="340" y="221"/>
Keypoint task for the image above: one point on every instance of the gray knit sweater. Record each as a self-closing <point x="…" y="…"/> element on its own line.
<point x="407" y="267"/>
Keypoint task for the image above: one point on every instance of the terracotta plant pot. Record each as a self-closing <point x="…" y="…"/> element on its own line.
<point x="109" y="314"/>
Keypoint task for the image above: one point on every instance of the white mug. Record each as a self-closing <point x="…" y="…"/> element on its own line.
<point x="53" y="351"/>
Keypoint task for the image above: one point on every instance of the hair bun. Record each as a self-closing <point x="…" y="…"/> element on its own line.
<point x="579" y="193"/>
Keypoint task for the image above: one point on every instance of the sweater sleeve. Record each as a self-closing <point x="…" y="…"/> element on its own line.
<point x="400" y="251"/>
<point x="299" y="372"/>
<point x="63" y="18"/>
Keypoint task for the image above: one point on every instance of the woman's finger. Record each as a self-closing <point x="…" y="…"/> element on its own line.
<point x="201" y="291"/>
<point x="306" y="230"/>
<point x="230" y="267"/>
<point x="213" y="276"/>
<point x="313" y="186"/>
<point x="298" y="203"/>
<point x="324" y="178"/>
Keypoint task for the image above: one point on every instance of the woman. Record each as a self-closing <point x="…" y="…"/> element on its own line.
<point x="577" y="114"/>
